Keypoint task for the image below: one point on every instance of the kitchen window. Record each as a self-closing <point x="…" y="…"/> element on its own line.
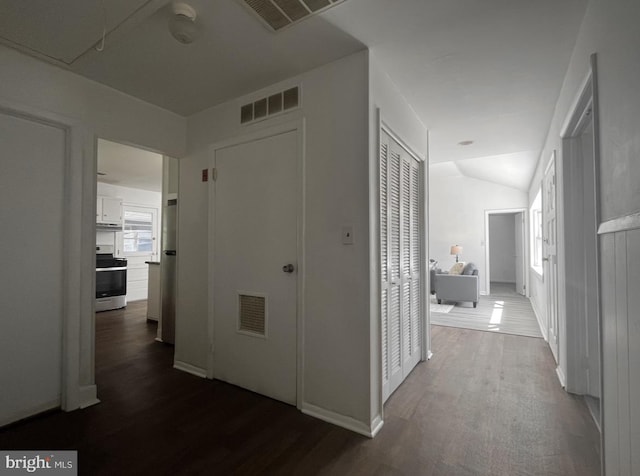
<point x="140" y="225"/>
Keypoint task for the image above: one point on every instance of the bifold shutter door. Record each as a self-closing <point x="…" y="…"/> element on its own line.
<point x="400" y="262"/>
<point x="395" y="326"/>
<point x="384" y="256"/>
<point x="405" y="213"/>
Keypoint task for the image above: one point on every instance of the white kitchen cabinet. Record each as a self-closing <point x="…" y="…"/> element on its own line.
<point x="109" y="211"/>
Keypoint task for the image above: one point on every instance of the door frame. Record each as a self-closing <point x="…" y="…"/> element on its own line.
<point x="297" y="126"/>
<point x="525" y="250"/>
<point x="77" y="386"/>
<point x="583" y="109"/>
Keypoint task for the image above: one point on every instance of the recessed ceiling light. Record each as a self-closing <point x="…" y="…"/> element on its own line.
<point x="465" y="142"/>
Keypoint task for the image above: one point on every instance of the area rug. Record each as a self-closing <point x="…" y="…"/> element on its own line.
<point x="504" y="314"/>
<point x="441" y="308"/>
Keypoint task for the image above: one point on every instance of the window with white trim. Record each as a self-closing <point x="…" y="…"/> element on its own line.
<point x="536" y="233"/>
<point x="139" y="230"/>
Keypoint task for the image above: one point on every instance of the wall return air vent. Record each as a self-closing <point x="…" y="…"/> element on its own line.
<point x="252" y="314"/>
<point x="277" y="14"/>
<point x="268" y="106"/>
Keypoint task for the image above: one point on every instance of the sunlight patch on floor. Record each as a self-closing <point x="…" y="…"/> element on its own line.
<point x="496" y="314"/>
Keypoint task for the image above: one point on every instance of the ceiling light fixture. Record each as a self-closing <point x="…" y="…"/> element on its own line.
<point x="465" y="142"/>
<point x="182" y="23"/>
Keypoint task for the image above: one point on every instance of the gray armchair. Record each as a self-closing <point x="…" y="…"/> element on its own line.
<point x="458" y="287"/>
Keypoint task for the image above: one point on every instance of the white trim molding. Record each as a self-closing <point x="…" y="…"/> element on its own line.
<point x="343" y="421"/>
<point x="561" y="377"/>
<point x="190" y="369"/>
<point x="536" y="311"/>
<point x="625" y="223"/>
<point x="89" y="396"/>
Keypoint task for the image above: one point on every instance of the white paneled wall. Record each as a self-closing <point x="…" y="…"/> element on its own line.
<point x="620" y="278"/>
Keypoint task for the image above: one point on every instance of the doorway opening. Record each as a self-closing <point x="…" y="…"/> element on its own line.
<point x="581" y="250"/>
<point x="136" y="197"/>
<point x="505" y="248"/>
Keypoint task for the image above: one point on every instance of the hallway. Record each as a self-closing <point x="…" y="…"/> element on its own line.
<point x="486" y="404"/>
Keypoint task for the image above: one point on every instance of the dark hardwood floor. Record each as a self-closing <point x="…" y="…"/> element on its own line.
<point x="486" y="404"/>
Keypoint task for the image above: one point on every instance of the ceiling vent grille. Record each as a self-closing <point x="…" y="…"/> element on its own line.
<point x="278" y="14"/>
<point x="252" y="315"/>
<point x="268" y="106"/>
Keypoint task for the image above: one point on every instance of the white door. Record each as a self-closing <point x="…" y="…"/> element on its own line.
<point x="520" y="266"/>
<point x="401" y="262"/>
<point x="550" y="259"/>
<point x="138" y="242"/>
<point x="32" y="166"/>
<point x="255" y="269"/>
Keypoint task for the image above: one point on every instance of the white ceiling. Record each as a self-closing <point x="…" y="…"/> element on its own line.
<point x="488" y="71"/>
<point x="128" y="166"/>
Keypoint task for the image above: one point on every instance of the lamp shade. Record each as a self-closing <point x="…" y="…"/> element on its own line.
<point x="456" y="250"/>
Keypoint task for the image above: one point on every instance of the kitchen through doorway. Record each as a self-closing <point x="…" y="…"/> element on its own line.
<point x="136" y="202"/>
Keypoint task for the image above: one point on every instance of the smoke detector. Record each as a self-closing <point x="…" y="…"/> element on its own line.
<point x="182" y="23"/>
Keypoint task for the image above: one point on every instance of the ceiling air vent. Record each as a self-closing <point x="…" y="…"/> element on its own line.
<point x="271" y="105"/>
<point x="277" y="14"/>
<point x="252" y="314"/>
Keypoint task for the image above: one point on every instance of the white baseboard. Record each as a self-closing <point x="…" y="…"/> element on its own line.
<point x="543" y="329"/>
<point x="342" y="420"/>
<point x="88" y="396"/>
<point x="561" y="377"/>
<point x="29" y="412"/>
<point x="376" y="425"/>
<point x="190" y="369"/>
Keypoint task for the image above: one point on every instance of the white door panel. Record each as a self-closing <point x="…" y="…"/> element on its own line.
<point x="32" y="168"/>
<point x="550" y="268"/>
<point x="255" y="236"/>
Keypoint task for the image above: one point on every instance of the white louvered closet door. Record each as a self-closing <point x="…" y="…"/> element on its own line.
<point x="400" y="257"/>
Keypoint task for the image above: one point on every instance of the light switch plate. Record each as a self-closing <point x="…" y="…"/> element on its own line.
<point x="347" y="235"/>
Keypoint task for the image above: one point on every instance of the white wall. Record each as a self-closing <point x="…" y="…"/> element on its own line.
<point x="397" y="115"/>
<point x="610" y="30"/>
<point x="137" y="270"/>
<point x="336" y="300"/>
<point x="92" y="109"/>
<point x="502" y="248"/>
<point x="457" y="206"/>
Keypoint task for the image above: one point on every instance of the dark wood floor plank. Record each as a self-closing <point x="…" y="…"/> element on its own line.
<point x="486" y="404"/>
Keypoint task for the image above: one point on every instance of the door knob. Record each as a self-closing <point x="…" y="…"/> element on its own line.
<point x="288" y="268"/>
